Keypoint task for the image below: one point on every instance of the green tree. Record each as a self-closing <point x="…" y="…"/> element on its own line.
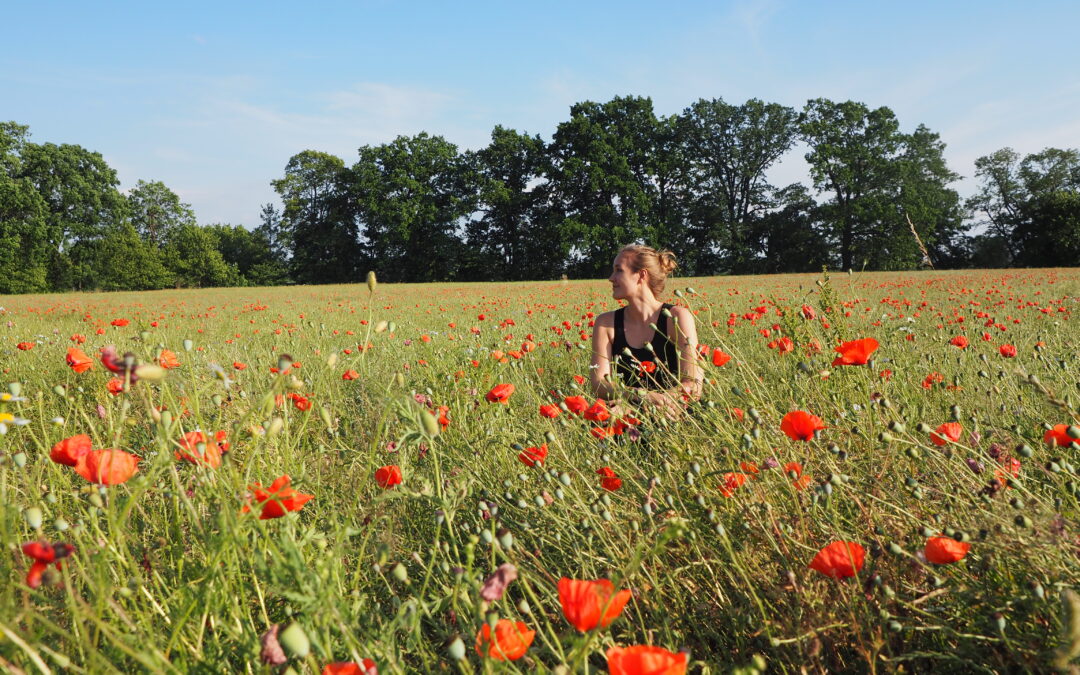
<point x="604" y="179"/>
<point x="728" y="150"/>
<point x="156" y="211"/>
<point x="413" y="195"/>
<point x="193" y="260"/>
<point x="24" y="230"/>
<point x="790" y="237"/>
<point x="511" y="240"/>
<point x="120" y="260"/>
<point x="853" y="156"/>
<point x="927" y="203"/>
<point x="318" y="222"/>
<point x="82" y="203"/>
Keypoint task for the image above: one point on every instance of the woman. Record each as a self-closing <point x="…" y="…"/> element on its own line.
<point x="650" y="345"/>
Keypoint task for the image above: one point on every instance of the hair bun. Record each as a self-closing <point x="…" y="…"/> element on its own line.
<point x="667" y="262"/>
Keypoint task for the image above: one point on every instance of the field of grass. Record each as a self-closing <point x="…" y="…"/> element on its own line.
<point x="712" y="524"/>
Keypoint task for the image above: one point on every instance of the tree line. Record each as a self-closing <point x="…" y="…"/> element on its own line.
<point x="420" y="209"/>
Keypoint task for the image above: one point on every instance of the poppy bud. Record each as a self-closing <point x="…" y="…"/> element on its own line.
<point x="332" y="360"/>
<point x="150" y="372"/>
<point x="295" y="641"/>
<point x="391" y="326"/>
<point x="32" y="516"/>
<point x="381" y="326"/>
<point x="276" y="425"/>
<point x="456" y="649"/>
<point x="923" y="428"/>
<point x="371" y="284"/>
<point x="14" y="388"/>
<point x="19" y="458"/>
<point x="188" y="344"/>
<point x="400" y="573"/>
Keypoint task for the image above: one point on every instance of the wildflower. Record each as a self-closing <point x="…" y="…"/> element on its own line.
<point x="78" y="338"/>
<point x="785" y="345"/>
<point x="945" y="550"/>
<point x="946" y="433"/>
<point x="365" y="667"/>
<point x="808" y="313"/>
<point x="959" y="341"/>
<point x="588" y="604"/>
<point x="500" y="393"/>
<point x="197" y="449"/>
<point x="115" y="386"/>
<point x="78" y="360"/>
<point x="719" y="357"/>
<point x="69" y="450"/>
<point x="549" y="410"/>
<point x="610" y="481"/>
<point x="278" y="499"/>
<point x="1059" y="435"/>
<point x="388" y="476"/>
<point x="509" y="641"/>
<point x="855" y="353"/>
<point x="25" y="346"/>
<point x="1008" y="351"/>
<point x="839" y="559"/>
<point x="576" y="404"/>
<point x="496" y="584"/>
<point x="350" y="375"/>
<point x="598" y="412"/>
<point x="119" y="323"/>
<point x="533" y="456"/>
<point x="932" y="379"/>
<point x="442" y="418"/>
<point x="8" y="420"/>
<point x="107" y="467"/>
<point x="167" y="359"/>
<point x="44" y="554"/>
<point x="239" y="365"/>
<point x="645" y="660"/>
<point x="732" y="481"/>
<point x="124" y="366"/>
<point x="801" y="426"/>
<point x="301" y="403"/>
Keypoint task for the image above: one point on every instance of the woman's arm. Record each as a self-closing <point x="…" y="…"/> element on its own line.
<point x="600" y="369"/>
<point x="691" y="375"/>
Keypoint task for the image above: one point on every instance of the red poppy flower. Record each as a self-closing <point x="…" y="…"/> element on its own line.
<point x="238" y="365"/>
<point x="301" y="403"/>
<point x="801" y="426"/>
<point x="388" y="476"/>
<point x="839" y="559"/>
<point x="588" y="604"/>
<point x="959" y="341"/>
<point x="785" y="345"/>
<point x="107" y="467"/>
<point x="533" y="456"/>
<point x="366" y="667"/>
<point x="500" y="393"/>
<point x="44" y="554"/>
<point x="855" y="353"/>
<point x="1059" y="435"/>
<point x="749" y="468"/>
<point x="948" y="432"/>
<point x="78" y="338"/>
<point x="1008" y="351"/>
<point x="645" y="660"/>
<point x="610" y="481"/>
<point x="647" y="367"/>
<point x="576" y="404"/>
<point x="120" y="323"/>
<point x="598" y="412"/>
<point x="277" y="500"/>
<point x="209" y="455"/>
<point x="549" y="410"/>
<point x="25" y="346"/>
<point x="442" y="416"/>
<point x="350" y="375"/>
<point x="115" y="386"/>
<point x="808" y="313"/>
<point x="508" y="642"/>
<point x="78" y="360"/>
<point x="945" y="550"/>
<point x="69" y="450"/>
<point x="732" y="481"/>
<point x="719" y="357"/>
<point x="167" y="359"/>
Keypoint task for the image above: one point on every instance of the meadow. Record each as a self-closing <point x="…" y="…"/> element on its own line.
<point x="920" y="514"/>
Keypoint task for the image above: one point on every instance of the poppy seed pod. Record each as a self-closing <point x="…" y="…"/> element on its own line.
<point x="371" y="282"/>
<point x="295" y="641"/>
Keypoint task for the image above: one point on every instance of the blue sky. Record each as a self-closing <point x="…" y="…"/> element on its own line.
<point x="213" y="98"/>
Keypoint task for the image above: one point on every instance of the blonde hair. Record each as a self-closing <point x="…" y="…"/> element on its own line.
<point x="659" y="264"/>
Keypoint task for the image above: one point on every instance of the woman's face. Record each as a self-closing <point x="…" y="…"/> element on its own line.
<point x="624" y="281"/>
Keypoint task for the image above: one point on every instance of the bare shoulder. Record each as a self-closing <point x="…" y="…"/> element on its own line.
<point x="605" y="320"/>
<point x="684" y="316"/>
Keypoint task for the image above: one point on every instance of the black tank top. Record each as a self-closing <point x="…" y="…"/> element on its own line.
<point x="663" y="356"/>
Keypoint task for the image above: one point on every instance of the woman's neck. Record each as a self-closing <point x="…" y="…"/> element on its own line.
<point x="642" y="309"/>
